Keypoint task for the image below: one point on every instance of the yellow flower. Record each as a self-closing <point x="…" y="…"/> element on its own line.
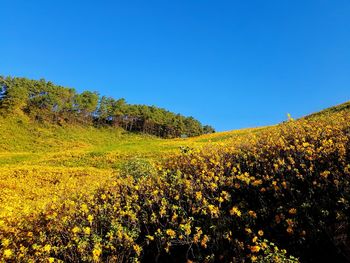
<point x="174" y="217"/>
<point x="214" y="211"/>
<point x="96" y="252"/>
<point x="84" y="208"/>
<point x="186" y="228"/>
<point x="204" y="241"/>
<point x="87" y="230"/>
<point x="254" y="258"/>
<point x="257" y="182"/>
<point x="292" y="211"/>
<point x="137" y="249"/>
<point x="171" y="233"/>
<point x="90" y="218"/>
<point x="325" y="174"/>
<point x="225" y="195"/>
<point x="306" y="144"/>
<point x="252" y="214"/>
<point x="51" y="260"/>
<point x="8" y="253"/>
<point x="5" y="242"/>
<point x="235" y="211"/>
<point x="47" y="248"/>
<point x="150" y="237"/>
<point x="199" y="195"/>
<point x="260" y="233"/>
<point x="76" y="230"/>
<point x="255" y="249"/>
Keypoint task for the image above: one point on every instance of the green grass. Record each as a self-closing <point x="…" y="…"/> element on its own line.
<point x="25" y="142"/>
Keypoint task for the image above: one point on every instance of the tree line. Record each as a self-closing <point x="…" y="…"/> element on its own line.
<point x="44" y="101"/>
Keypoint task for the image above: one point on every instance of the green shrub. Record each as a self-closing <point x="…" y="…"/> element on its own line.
<point x="137" y="168"/>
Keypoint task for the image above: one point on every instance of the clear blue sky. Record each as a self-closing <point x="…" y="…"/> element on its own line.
<point x="231" y="64"/>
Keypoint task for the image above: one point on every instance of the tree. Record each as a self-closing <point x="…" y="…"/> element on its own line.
<point x="208" y="129"/>
<point x="104" y="110"/>
<point x="14" y="95"/>
<point x="193" y="127"/>
<point x="118" y="110"/>
<point x="2" y="88"/>
<point x="86" y="104"/>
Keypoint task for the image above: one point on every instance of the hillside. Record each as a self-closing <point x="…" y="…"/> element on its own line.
<point x="338" y="108"/>
<point x="47" y="103"/>
<point x="76" y="192"/>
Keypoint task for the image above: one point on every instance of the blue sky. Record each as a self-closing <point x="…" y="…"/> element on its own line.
<point x="231" y="64"/>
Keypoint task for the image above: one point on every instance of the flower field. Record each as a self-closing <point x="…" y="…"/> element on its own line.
<point x="275" y="194"/>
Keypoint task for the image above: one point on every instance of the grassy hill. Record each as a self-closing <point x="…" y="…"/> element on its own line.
<point x="338" y="108"/>
<point x="30" y="142"/>
<point x="78" y="193"/>
<point x="83" y="158"/>
<point x="27" y="145"/>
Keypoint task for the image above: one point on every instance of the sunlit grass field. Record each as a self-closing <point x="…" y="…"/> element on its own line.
<point x="42" y="163"/>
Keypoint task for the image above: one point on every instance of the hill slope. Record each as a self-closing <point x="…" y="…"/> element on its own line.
<point x="68" y="189"/>
<point x="44" y="102"/>
<point x="338" y="108"/>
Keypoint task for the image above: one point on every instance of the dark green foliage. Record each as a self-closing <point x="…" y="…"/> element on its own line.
<point x="193" y="127"/>
<point x="45" y="102"/>
<point x="208" y="129"/>
<point x="14" y="95"/>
